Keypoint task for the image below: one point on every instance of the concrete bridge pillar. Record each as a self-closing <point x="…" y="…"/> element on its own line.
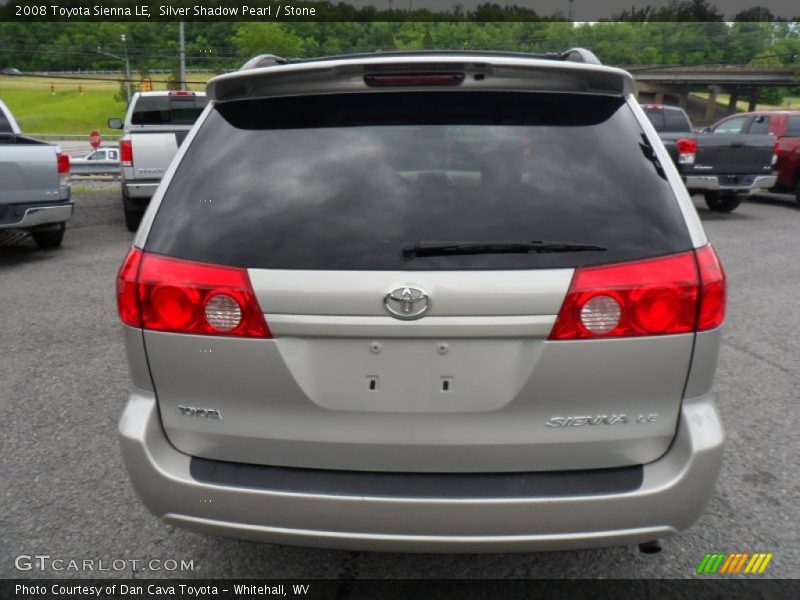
<point x="733" y="100"/>
<point x="659" y="97"/>
<point x="711" y="105"/>
<point x="753" y="100"/>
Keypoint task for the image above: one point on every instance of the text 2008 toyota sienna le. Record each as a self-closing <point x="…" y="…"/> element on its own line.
<point x="424" y="302"/>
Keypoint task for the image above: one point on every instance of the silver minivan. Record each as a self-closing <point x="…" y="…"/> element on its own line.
<point x="439" y="301"/>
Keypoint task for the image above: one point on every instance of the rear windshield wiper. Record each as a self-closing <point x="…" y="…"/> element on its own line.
<point x="420" y="249"/>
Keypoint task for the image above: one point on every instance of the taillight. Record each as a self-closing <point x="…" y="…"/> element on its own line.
<point x="182" y="93"/>
<point x="63" y="162"/>
<point x="415" y="79"/>
<point x="126" y="153"/>
<point x="63" y="168"/>
<point x="648" y="297"/>
<point x="712" y="289"/>
<point x="179" y="296"/>
<point x="687" y="149"/>
<point x="127" y="297"/>
<point x="775" y="150"/>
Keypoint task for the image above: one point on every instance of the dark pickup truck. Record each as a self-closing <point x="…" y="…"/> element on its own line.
<point x="723" y="166"/>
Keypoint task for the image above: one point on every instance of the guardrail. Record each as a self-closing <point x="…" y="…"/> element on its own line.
<point x="68" y="137"/>
<point x="107" y="72"/>
<point x="94" y="167"/>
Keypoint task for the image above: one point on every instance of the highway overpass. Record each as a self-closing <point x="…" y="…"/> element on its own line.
<point x="676" y="83"/>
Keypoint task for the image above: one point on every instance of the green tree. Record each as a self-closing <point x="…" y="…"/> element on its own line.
<point x="174" y="79"/>
<point x="771" y="95"/>
<point x="121" y="95"/>
<point x="267" y="38"/>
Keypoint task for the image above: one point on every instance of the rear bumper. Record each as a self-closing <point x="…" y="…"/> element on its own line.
<point x="144" y="190"/>
<point x="29" y="217"/>
<point x="673" y="493"/>
<point x="745" y="183"/>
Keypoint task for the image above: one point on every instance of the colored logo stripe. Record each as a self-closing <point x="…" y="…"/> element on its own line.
<point x="758" y="564"/>
<point x="734" y="563"/>
<point x="711" y="562"/>
<point x="732" y="558"/>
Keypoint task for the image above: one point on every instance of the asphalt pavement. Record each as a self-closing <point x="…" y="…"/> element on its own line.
<point x="63" y="383"/>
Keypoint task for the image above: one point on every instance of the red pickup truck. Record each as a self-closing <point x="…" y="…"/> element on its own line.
<point x="785" y="126"/>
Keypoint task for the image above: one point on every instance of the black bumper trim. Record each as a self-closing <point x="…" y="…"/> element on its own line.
<point x="418" y="485"/>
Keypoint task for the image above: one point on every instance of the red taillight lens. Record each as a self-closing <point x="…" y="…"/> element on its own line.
<point x="63" y="163"/>
<point x="126" y="153"/>
<point x="648" y="297"/>
<point x="775" y="150"/>
<point x="687" y="146"/>
<point x="63" y="168"/>
<point x="401" y="79"/>
<point x="687" y="149"/>
<point x="167" y="294"/>
<point x="189" y="297"/>
<point x="127" y="298"/>
<point x="712" y="291"/>
<point x="171" y="308"/>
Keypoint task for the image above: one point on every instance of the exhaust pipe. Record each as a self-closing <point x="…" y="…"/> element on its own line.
<point x="651" y="547"/>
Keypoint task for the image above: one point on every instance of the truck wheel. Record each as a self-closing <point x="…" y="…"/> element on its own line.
<point x="49" y="239"/>
<point x="133" y="215"/>
<point x="797" y="191"/>
<point x="723" y="202"/>
<point x="132" y="218"/>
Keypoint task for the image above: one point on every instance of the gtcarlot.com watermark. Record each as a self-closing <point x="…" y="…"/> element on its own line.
<point x="45" y="562"/>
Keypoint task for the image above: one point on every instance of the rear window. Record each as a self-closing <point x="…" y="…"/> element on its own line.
<point x="733" y="125"/>
<point x="5" y="124"/>
<point x="669" y="121"/>
<point x="793" y="127"/>
<point x="168" y="110"/>
<point x="345" y="181"/>
<point x="760" y="124"/>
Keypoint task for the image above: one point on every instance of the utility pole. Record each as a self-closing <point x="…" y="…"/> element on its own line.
<point x="570" y="10"/>
<point x="182" y="55"/>
<point x="127" y="67"/>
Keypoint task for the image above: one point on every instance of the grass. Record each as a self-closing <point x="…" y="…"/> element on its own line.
<point x="68" y="112"/>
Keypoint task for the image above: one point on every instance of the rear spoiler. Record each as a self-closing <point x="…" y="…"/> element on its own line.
<point x="575" y="70"/>
<point x="573" y="54"/>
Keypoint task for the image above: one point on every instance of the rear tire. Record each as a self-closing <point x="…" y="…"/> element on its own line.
<point x="719" y="202"/>
<point x="49" y="239"/>
<point x="133" y="215"/>
<point x="132" y="218"/>
<point x="797" y="191"/>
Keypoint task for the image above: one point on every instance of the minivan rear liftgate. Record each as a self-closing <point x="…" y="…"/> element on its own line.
<point x="437" y="301"/>
<point x="556" y="315"/>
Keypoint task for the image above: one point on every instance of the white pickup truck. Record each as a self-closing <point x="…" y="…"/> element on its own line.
<point x="34" y="184"/>
<point x="155" y="126"/>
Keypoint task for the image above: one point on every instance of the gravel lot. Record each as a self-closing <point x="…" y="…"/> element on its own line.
<point x="63" y="382"/>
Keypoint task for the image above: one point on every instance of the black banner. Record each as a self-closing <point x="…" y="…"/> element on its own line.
<point x="397" y="10"/>
<point x="389" y="589"/>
